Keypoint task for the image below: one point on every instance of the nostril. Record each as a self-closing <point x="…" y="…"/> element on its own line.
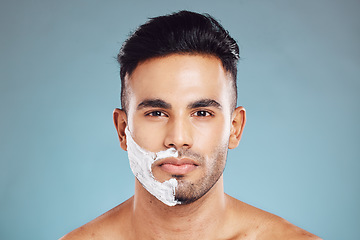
<point x="172" y="145"/>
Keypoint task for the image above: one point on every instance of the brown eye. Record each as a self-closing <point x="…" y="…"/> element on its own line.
<point x="156" y="114"/>
<point x="202" y="114"/>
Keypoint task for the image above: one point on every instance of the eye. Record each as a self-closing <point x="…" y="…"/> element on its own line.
<point x="203" y="114"/>
<point x="156" y="114"/>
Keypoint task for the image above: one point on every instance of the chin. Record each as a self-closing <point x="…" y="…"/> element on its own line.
<point x="189" y="192"/>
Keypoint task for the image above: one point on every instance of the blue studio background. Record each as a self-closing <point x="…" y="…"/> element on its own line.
<point x="299" y="79"/>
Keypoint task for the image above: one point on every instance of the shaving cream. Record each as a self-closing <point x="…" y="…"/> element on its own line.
<point x="141" y="161"/>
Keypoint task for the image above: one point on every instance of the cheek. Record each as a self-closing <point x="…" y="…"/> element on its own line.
<point x="148" y="135"/>
<point x="211" y="134"/>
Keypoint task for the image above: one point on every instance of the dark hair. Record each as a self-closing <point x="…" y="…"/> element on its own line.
<point x="181" y="32"/>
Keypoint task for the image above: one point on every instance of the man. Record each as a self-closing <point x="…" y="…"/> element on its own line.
<point x="178" y="119"/>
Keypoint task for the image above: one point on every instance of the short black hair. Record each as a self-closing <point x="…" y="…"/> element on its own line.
<point x="181" y="32"/>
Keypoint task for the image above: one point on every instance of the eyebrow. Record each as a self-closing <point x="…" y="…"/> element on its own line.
<point x="154" y="103"/>
<point x="205" y="103"/>
<point x="159" y="103"/>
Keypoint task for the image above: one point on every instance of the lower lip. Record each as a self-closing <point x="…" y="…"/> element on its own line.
<point x="178" y="169"/>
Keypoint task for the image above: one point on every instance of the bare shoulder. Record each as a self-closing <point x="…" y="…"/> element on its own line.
<point x="103" y="227"/>
<point x="263" y="225"/>
<point x="279" y="228"/>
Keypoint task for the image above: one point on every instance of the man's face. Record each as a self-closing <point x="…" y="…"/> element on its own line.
<point x="182" y="101"/>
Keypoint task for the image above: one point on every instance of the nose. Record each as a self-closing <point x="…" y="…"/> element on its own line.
<point x="178" y="134"/>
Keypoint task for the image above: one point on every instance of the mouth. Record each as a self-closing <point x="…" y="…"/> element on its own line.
<point x="178" y="167"/>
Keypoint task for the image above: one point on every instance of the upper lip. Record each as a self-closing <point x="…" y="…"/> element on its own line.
<point x="177" y="161"/>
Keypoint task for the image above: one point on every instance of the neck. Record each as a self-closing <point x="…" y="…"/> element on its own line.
<point x="153" y="219"/>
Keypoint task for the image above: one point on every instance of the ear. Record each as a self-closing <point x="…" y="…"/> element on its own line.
<point x="237" y="127"/>
<point x="120" y="121"/>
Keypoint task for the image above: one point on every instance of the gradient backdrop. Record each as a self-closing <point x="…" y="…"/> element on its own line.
<point x="299" y="79"/>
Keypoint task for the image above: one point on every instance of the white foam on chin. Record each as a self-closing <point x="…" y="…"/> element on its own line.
<point x="141" y="161"/>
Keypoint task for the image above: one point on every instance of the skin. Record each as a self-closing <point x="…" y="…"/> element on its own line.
<point x="204" y="130"/>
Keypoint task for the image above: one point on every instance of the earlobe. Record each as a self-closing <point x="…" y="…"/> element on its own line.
<point x="120" y="122"/>
<point x="237" y="126"/>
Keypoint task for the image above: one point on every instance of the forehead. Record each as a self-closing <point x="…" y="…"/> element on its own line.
<point x="178" y="77"/>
